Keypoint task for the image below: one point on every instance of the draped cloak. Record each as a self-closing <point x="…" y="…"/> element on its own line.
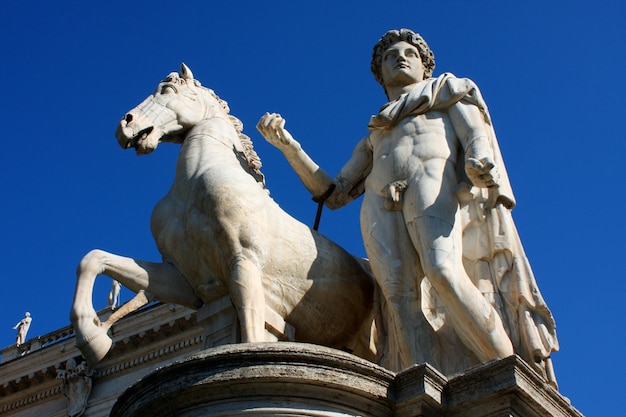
<point x="493" y="255"/>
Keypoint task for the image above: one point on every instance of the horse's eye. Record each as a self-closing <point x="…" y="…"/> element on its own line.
<point x="168" y="89"/>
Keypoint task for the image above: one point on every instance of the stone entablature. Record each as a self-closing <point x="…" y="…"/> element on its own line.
<point x="46" y="376"/>
<point x="53" y="380"/>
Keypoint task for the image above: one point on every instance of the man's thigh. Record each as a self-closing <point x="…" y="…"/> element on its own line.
<point x="393" y="258"/>
<point x="437" y="241"/>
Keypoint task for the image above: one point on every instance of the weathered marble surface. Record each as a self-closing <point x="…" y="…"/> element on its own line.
<point x="455" y="286"/>
<point x="77" y="383"/>
<point x="221" y="234"/>
<point x="287" y="379"/>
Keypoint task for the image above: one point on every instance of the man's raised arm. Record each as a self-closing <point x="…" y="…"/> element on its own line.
<point x="314" y="178"/>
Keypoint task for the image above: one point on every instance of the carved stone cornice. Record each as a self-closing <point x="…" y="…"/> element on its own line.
<point x="298" y="379"/>
<point x="509" y="385"/>
<point x="23" y="400"/>
<point x="153" y="355"/>
<point x="294" y="376"/>
<point x="148" y="338"/>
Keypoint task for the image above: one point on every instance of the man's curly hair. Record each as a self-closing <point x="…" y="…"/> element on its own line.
<point x="408" y="36"/>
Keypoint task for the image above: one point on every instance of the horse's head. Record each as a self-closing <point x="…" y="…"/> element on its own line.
<point x="178" y="104"/>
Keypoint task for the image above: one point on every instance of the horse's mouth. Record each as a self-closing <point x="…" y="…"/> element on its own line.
<point x="134" y="142"/>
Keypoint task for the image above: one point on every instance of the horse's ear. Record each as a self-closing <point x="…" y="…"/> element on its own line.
<point x="185" y="72"/>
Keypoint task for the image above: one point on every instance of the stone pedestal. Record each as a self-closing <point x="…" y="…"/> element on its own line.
<point x="295" y="379"/>
<point x="504" y="388"/>
<point x="264" y="379"/>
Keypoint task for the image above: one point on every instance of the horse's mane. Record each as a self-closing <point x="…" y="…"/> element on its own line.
<point x="249" y="154"/>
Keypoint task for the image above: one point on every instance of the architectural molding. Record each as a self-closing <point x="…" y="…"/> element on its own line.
<point x="163" y="344"/>
<point x="147" y="339"/>
<point x="299" y="379"/>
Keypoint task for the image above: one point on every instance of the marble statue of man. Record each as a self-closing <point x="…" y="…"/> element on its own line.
<point x="454" y="285"/>
<point x="114" y="294"/>
<point x="22" y="329"/>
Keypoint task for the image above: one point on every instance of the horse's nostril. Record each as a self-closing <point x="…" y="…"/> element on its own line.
<point x="128" y="118"/>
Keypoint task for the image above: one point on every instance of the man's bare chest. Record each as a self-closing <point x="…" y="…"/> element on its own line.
<point x="424" y="136"/>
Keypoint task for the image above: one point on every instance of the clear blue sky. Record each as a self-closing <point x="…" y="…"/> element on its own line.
<point x="552" y="74"/>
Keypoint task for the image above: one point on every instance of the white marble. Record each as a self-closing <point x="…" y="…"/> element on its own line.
<point x="455" y="286"/>
<point x="220" y="234"/>
<point x="22" y="329"/>
<point x="114" y="295"/>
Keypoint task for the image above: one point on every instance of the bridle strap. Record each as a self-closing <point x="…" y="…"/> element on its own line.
<point x="320" y="204"/>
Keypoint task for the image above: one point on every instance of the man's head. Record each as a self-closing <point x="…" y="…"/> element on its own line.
<point x="402" y="35"/>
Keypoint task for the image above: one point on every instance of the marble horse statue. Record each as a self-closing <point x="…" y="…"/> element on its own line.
<point x="220" y="233"/>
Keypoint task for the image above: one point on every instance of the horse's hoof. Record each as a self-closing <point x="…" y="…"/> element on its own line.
<point x="94" y="346"/>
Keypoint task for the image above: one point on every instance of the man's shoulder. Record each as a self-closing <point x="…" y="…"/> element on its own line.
<point x="454" y="83"/>
<point x="446" y="90"/>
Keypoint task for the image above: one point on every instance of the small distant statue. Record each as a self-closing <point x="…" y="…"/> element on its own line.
<point x="114" y="295"/>
<point x="22" y="328"/>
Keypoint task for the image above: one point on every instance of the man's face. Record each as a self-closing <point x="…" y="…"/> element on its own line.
<point x="401" y="65"/>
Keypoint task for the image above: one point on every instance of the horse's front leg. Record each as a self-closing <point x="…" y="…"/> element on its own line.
<point x="246" y="293"/>
<point x="163" y="281"/>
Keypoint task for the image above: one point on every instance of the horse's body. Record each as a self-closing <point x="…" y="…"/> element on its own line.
<point x="220" y="233"/>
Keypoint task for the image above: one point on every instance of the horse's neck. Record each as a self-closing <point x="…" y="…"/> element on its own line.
<point x="213" y="132"/>
<point x="213" y="148"/>
<point x="209" y="144"/>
